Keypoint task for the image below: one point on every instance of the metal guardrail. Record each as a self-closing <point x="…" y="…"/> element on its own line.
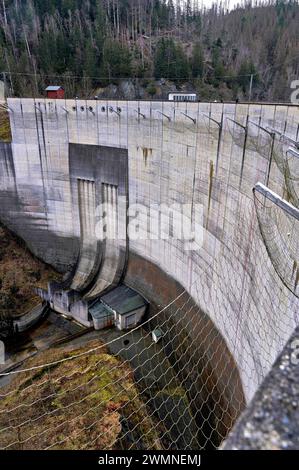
<point x="293" y="152"/>
<point x="276" y="199"/>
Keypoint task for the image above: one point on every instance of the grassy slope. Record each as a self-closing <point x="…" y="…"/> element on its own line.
<point x="5" y="133"/>
<point x="109" y="404"/>
<point x="20" y="272"/>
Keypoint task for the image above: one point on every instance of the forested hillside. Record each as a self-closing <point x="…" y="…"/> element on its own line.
<point x="86" y="45"/>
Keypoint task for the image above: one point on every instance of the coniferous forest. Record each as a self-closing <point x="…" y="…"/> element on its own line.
<point x="143" y="48"/>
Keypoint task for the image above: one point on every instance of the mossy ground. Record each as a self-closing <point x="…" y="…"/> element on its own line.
<point x="89" y="402"/>
<point x="5" y="132"/>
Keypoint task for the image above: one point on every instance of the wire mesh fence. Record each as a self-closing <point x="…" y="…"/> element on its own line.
<point x="127" y="391"/>
<point x="280" y="234"/>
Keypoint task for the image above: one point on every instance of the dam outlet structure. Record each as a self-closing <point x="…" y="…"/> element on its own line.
<point x="204" y="321"/>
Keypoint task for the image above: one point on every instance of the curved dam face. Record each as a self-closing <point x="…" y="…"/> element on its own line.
<point x="68" y="157"/>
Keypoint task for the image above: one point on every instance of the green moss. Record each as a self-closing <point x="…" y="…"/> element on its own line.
<point x="97" y="396"/>
<point x="5" y="132"/>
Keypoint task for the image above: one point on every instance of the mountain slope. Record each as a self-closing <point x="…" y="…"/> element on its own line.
<point x="67" y="41"/>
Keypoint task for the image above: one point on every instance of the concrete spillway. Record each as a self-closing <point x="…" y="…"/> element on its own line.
<point x="68" y="157"/>
<point x="88" y="248"/>
<point x="108" y="274"/>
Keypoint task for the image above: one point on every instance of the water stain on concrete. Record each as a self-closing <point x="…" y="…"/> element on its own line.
<point x="146" y="151"/>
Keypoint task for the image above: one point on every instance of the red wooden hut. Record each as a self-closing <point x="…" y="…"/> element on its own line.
<point x="55" y="92"/>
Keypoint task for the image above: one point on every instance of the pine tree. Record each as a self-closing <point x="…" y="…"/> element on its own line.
<point x="170" y="60"/>
<point x="116" y="60"/>
<point x="197" y="61"/>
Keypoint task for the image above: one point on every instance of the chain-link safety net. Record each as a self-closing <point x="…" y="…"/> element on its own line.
<point x="181" y="378"/>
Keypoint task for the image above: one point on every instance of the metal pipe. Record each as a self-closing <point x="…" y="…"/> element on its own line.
<point x="245" y="129"/>
<point x="140" y="114"/>
<point x="38" y="109"/>
<point x="212" y="119"/>
<point x="236" y="122"/>
<point x="189" y="117"/>
<point x="272" y="135"/>
<point x="220" y="125"/>
<point x="219" y="143"/>
<point x="262" y="128"/>
<point x="270" y="160"/>
<point x="165" y="115"/>
<point x="244" y="151"/>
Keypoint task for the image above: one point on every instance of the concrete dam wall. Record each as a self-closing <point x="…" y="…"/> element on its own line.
<point x="67" y="157"/>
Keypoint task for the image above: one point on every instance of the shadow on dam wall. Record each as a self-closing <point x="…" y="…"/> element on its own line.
<point x="23" y="211"/>
<point x="196" y="350"/>
<point x="57" y="251"/>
